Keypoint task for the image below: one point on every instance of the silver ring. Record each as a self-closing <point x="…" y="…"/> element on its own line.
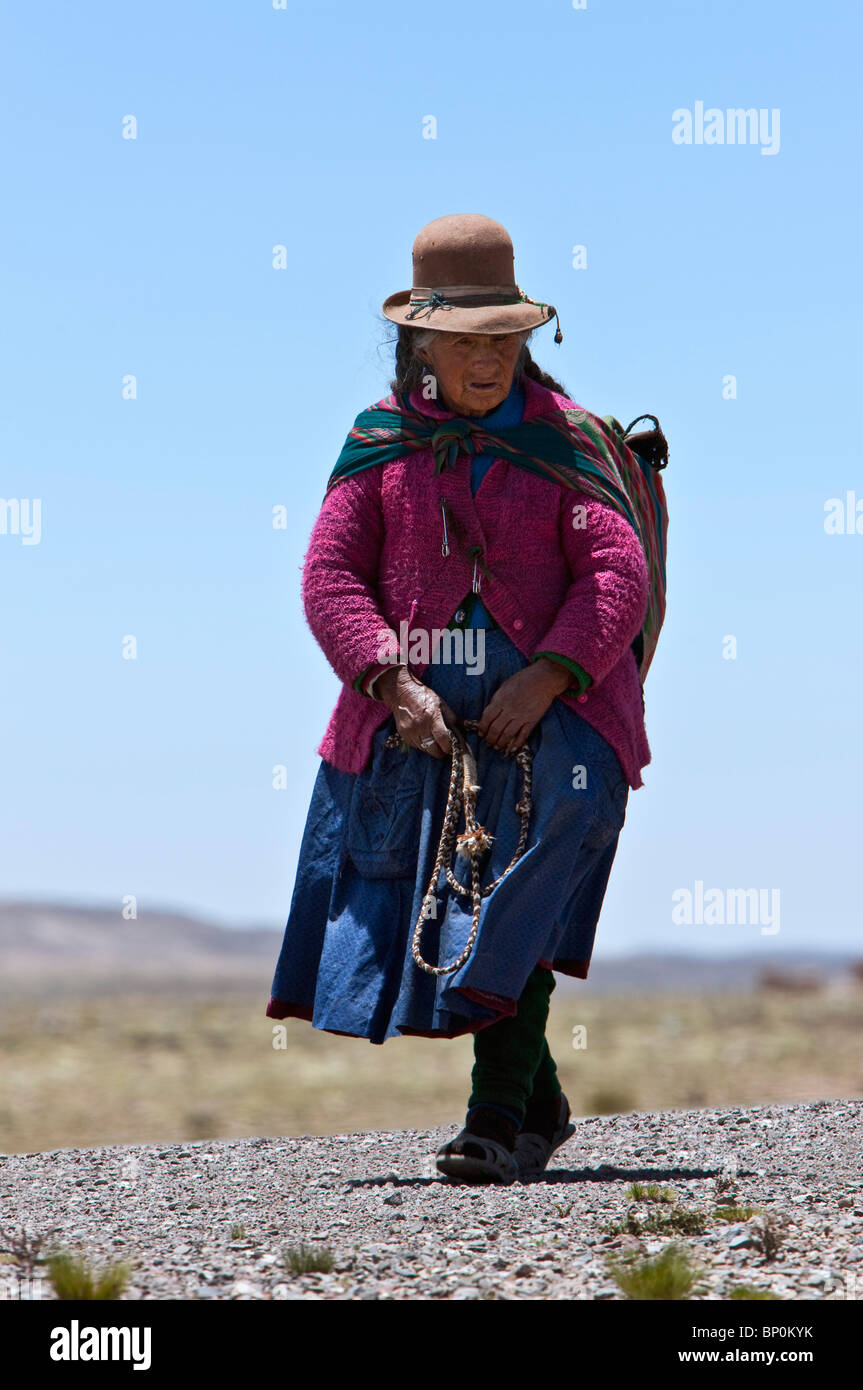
<point x="425" y="741"/>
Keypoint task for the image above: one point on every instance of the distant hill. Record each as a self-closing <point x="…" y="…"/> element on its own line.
<point x="61" y="948"/>
<point x="675" y="973"/>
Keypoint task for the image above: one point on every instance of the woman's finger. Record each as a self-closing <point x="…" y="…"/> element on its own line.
<point x="449" y="714"/>
<point x="440" y="733"/>
<point x="501" y="733"/>
<point x="492" y="725"/>
<point x="520" y="738"/>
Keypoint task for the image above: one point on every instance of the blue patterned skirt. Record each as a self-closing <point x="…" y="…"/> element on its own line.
<point x="369" y="848"/>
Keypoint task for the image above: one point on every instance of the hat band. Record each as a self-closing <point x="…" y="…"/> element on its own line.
<point x="474" y="297"/>
<point x="462" y="296"/>
<point x="461" y="291"/>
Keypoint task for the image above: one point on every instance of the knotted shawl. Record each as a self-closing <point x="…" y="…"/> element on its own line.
<point x="570" y="447"/>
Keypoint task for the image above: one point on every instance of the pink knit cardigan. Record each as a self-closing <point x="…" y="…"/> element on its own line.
<point x="559" y="580"/>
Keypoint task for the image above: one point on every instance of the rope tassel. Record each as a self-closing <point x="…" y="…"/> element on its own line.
<point x="471" y="844"/>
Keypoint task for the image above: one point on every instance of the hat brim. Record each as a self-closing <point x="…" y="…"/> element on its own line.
<point x="491" y="318"/>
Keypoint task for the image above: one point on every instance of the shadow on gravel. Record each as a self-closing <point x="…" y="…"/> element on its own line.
<point x="604" y="1173"/>
<point x="607" y="1173"/>
<point x="393" y="1180"/>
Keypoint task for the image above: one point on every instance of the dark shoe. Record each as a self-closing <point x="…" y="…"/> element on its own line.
<point x="483" y="1152"/>
<point x="535" y="1146"/>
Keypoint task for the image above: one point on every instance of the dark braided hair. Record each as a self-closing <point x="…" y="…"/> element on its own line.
<point x="410" y="371"/>
<point x="535" y="372"/>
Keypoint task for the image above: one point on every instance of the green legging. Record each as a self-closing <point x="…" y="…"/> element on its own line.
<point x="513" y="1066"/>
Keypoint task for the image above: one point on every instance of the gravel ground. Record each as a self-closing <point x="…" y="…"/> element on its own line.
<point x="400" y="1231"/>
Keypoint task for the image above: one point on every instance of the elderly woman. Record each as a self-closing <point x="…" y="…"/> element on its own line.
<point x="479" y="505"/>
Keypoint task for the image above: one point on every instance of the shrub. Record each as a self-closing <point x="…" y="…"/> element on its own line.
<point x="649" y="1192"/>
<point x="670" y="1275"/>
<point x="735" y="1213"/>
<point x="73" y="1277"/>
<point x="305" y="1259"/>
<point x="681" y="1220"/>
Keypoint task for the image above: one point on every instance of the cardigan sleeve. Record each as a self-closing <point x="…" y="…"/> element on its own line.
<point x="606" y="602"/>
<point x="581" y="679"/>
<point x="340" y="572"/>
<point x="365" y="681"/>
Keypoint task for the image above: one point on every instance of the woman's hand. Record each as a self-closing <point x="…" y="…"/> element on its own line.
<point x="418" y="711"/>
<point x="519" y="703"/>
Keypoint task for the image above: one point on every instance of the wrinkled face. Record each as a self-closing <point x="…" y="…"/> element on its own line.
<point x="474" y="371"/>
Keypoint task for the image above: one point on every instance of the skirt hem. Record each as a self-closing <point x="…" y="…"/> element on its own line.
<point x="281" y="1008"/>
<point x="507" y="1008"/>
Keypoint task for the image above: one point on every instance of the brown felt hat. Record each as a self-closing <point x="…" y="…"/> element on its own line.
<point x="464" y="281"/>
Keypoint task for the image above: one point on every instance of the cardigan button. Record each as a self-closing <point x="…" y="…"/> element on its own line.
<point x="518" y="624"/>
<point x="459" y="617"/>
<point x="581" y="699"/>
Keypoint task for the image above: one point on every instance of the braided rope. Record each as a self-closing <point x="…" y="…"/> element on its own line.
<point x="472" y="842"/>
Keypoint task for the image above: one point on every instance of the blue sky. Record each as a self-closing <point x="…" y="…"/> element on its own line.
<point x="303" y="127"/>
